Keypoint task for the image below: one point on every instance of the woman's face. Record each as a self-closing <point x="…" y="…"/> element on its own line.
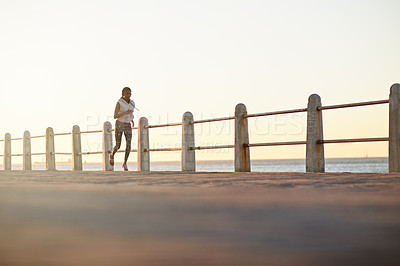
<point x="127" y="94"/>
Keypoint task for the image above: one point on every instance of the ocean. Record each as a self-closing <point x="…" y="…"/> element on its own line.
<point x="354" y="165"/>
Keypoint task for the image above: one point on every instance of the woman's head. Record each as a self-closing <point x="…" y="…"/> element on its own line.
<point x="126" y="92"/>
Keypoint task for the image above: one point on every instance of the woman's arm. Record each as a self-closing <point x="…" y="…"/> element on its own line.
<point x="116" y="111"/>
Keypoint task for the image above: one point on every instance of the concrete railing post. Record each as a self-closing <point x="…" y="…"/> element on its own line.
<point x="27" y="157"/>
<point x="50" y="150"/>
<point x="107" y="146"/>
<point x="76" y="149"/>
<point x="394" y="128"/>
<point x="188" y="156"/>
<point x="315" y="159"/>
<point x="7" y="152"/>
<point x="143" y="162"/>
<point x="242" y="153"/>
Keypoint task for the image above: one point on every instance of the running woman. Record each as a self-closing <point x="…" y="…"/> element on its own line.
<point x="124" y="115"/>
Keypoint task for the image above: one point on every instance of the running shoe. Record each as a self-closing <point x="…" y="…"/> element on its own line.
<point x="111" y="161"/>
<point x="125" y="167"/>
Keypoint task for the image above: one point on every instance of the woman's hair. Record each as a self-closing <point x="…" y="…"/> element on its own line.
<point x="125" y="90"/>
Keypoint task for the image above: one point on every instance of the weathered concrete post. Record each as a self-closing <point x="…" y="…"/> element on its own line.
<point x="107" y="146"/>
<point x="315" y="159"/>
<point x="188" y="159"/>
<point x="50" y="150"/>
<point x="242" y="153"/>
<point x="394" y="128"/>
<point x="7" y="152"/>
<point x="143" y="162"/>
<point x="76" y="149"/>
<point x="27" y="157"/>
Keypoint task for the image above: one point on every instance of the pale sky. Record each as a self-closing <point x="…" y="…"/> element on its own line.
<point x="65" y="62"/>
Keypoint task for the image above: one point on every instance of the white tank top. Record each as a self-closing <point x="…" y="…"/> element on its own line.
<point x="124" y="106"/>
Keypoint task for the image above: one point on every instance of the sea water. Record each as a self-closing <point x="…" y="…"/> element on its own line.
<point x="354" y="165"/>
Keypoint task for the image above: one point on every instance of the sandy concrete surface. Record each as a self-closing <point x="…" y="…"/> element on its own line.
<point x="175" y="218"/>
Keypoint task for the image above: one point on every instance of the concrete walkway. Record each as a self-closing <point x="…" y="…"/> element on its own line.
<point x="175" y="218"/>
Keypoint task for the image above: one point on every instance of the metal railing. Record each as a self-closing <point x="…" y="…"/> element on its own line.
<point x="315" y="159"/>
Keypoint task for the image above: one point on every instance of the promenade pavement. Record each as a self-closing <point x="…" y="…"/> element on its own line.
<point x="175" y="218"/>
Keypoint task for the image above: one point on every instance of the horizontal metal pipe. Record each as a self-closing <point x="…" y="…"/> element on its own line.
<point x="166" y="149"/>
<point x="62" y="153"/>
<point x="17" y="139"/>
<point x="352" y="140"/>
<point x="16" y="155"/>
<point x="164" y="125"/>
<point x="124" y="151"/>
<point x="100" y="152"/>
<point x="277" y="112"/>
<point x="94" y="131"/>
<point x="38" y="153"/>
<point x="62" y="134"/>
<point x="352" y="105"/>
<point x="212" y="147"/>
<point x="212" y="120"/>
<point x="276" y="144"/>
<point x="1" y="140"/>
<point x="1" y="155"/>
<point x="35" y="137"/>
<point x="88" y="153"/>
